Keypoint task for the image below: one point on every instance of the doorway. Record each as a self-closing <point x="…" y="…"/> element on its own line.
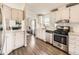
<point x="33" y="26"/>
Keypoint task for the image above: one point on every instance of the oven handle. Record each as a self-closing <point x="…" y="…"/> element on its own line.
<point x="61" y="35"/>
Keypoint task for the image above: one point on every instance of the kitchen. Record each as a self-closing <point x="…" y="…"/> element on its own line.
<point x="52" y="26"/>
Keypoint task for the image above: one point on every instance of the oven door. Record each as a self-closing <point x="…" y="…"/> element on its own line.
<point x="60" y="38"/>
<point x="60" y="41"/>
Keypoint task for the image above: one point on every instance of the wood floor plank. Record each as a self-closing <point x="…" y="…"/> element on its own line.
<point x="37" y="47"/>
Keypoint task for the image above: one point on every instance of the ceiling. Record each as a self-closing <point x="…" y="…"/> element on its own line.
<point x="16" y="5"/>
<point x="37" y="8"/>
<point x="43" y="8"/>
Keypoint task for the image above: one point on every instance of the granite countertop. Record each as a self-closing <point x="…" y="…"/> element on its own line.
<point x="14" y="31"/>
<point x="49" y="31"/>
<point x="74" y="33"/>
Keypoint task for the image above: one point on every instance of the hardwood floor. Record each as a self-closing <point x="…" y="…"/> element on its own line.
<point x="37" y="47"/>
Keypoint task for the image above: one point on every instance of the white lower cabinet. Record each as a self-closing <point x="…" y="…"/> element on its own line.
<point x="13" y="40"/>
<point x="42" y="34"/>
<point x="74" y="44"/>
<point x="10" y="44"/>
<point x="19" y="39"/>
<point x="49" y="37"/>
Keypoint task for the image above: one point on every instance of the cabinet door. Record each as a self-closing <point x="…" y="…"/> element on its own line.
<point x="20" y="15"/>
<point x="19" y="41"/>
<point x="48" y="37"/>
<point x="74" y="13"/>
<point x="42" y="33"/>
<point x="51" y="39"/>
<point x="74" y="45"/>
<point x="65" y="13"/>
<point x="77" y="45"/>
<point x="14" y="14"/>
<point x="7" y="12"/>
<point x="52" y="18"/>
<point x="58" y="15"/>
<point x="71" y="45"/>
<point x="10" y="42"/>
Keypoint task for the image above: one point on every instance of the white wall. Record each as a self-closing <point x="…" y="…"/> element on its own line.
<point x="29" y="16"/>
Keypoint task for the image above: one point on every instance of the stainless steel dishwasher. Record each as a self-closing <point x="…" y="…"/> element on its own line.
<point x="49" y="36"/>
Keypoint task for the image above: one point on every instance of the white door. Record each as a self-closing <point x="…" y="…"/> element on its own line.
<point x="33" y="26"/>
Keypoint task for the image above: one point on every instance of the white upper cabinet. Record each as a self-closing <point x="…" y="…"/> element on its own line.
<point x="65" y="13"/>
<point x="58" y="15"/>
<point x="62" y="13"/>
<point x="53" y="17"/>
<point x="74" y="14"/>
<point x="20" y="14"/>
<point x="14" y="14"/>
<point x="17" y="14"/>
<point x="7" y="12"/>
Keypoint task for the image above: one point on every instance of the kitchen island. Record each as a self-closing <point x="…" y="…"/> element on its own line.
<point x="13" y="40"/>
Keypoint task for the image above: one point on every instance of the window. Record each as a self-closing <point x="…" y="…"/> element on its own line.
<point x="46" y="21"/>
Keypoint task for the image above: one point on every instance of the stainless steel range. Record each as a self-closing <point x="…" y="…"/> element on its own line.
<point x="61" y="37"/>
